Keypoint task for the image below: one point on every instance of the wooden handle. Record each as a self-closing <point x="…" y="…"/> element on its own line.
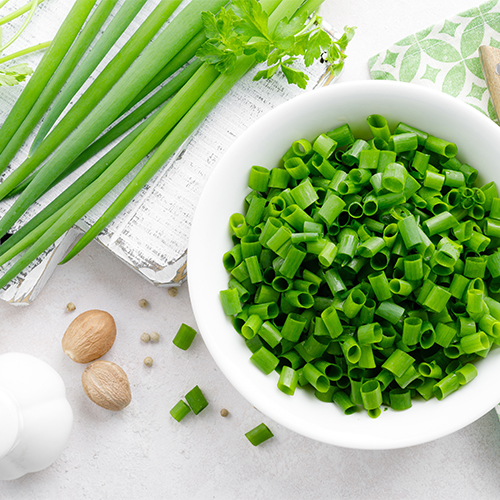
<point x="490" y="61"/>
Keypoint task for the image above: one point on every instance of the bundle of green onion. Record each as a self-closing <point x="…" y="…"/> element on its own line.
<point x="365" y="269"/>
<point x="129" y="96"/>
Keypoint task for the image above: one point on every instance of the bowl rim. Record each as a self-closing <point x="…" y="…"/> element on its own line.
<point x="196" y="270"/>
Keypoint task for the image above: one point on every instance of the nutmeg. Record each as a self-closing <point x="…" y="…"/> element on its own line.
<point x="106" y="384"/>
<point x="89" y="336"/>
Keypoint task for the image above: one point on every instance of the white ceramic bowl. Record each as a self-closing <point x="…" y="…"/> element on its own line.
<point x="478" y="140"/>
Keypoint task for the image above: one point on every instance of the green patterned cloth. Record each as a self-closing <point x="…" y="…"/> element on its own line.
<point x="445" y="56"/>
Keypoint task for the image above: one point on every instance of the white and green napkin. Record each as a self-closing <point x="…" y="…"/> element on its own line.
<point x="445" y="56"/>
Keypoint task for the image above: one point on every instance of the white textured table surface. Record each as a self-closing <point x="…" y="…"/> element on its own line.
<point x="142" y="453"/>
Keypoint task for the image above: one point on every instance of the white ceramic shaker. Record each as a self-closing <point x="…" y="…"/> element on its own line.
<point x="35" y="416"/>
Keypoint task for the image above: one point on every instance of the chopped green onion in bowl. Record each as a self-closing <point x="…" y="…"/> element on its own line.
<point x="264" y="144"/>
<point x="427" y="303"/>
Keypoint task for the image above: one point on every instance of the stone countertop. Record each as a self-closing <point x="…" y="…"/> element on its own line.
<point x="142" y="453"/>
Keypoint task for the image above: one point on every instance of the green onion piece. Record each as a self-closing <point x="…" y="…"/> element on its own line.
<point x="371" y="246"/>
<point x="344" y="402"/>
<point x="440" y="146"/>
<point x="394" y="177"/>
<point x="380" y="286"/>
<point x="445" y="334"/>
<point x="466" y="373"/>
<point x="331" y="209"/>
<point x="259" y="434"/>
<point x="404" y="128"/>
<point x="351" y="156"/>
<point x="251" y="326"/>
<point x="371" y="394"/>
<point x="400" y="399"/>
<point x="332" y="322"/>
<point x="493" y="264"/>
<point x="367" y="312"/>
<point x="410" y="376"/>
<point x="296" y="167"/>
<point x="453" y="178"/>
<point x="474" y="342"/>
<point x="184" y="337"/>
<point x="196" y="400"/>
<point x="369" y="334"/>
<point x="401" y="143"/>
<point x="369" y="158"/>
<point x="268" y="310"/>
<point x="390" y="311"/>
<point x="380" y="261"/>
<point x="434" y="180"/>
<point x="408" y="229"/>
<point x="412" y="327"/>
<point x="379" y="127"/>
<point x="288" y="380"/>
<point x="293" y="327"/>
<point x="265" y="360"/>
<point x="230" y="301"/>
<point x="477" y="242"/>
<point x="431" y="370"/>
<point x="279" y="178"/>
<point x="269" y="333"/>
<point x="347" y="243"/>
<point x="331" y="371"/>
<point x="259" y="178"/>
<point x="426" y="390"/>
<point x="398" y="362"/>
<point x="351" y="350"/>
<point x="400" y="287"/>
<point x="300" y="149"/>
<point x="495" y="208"/>
<point x="354" y="303"/>
<point x="316" y="378"/>
<point x="427" y="336"/>
<point x="437" y="299"/>
<point x="446" y="386"/>
<point x="420" y="161"/>
<point x="475" y="267"/>
<point x="180" y="410"/>
<point x="324" y="145"/>
<point x="341" y="135"/>
<point x="490" y="192"/>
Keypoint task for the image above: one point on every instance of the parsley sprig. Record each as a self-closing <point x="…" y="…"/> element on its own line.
<point x="14" y="74"/>
<point x="243" y="29"/>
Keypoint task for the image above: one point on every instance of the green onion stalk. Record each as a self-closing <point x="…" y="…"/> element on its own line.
<point x="121" y="20"/>
<point x="30" y="8"/>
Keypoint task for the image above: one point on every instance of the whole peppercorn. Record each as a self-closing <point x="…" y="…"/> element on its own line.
<point x="172" y="292"/>
<point x="155" y="337"/>
<point x="224" y="412"/>
<point x="145" y="337"/>
<point x="70" y="306"/>
<point x="143" y="303"/>
<point x="148" y="361"/>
